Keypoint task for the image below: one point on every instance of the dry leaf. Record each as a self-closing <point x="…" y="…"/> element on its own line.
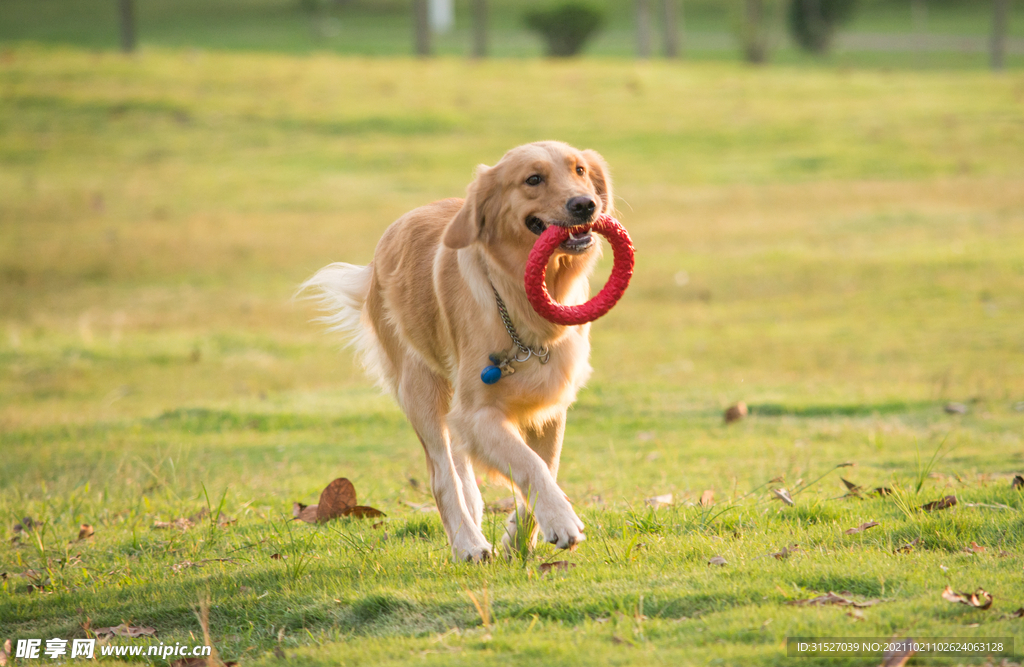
<point x="125" y="630"/>
<point x="363" y="512"/>
<point x="833" y="598"/>
<point x="940" y="504"/>
<point x="717" y="560"/>
<point x="660" y="501"/>
<point x="305" y="513"/>
<point x="180" y="524"/>
<point x="734" y="413"/>
<point x="783" y="495"/>
<point x="707" y="498"/>
<point x="786" y="552"/>
<point x="276" y="557"/>
<point x="974" y="548"/>
<point x="856" y="614"/>
<point x="1018" y="482"/>
<point x="898" y="657"/>
<point x="558" y="565"/>
<point x="909" y="546"/>
<point x="848" y="464"/>
<point x="981" y="599"/>
<point x="619" y="640"/>
<point x="882" y="491"/>
<point x="851" y="488"/>
<point x="955" y="408"/>
<point x="861" y="528"/>
<point x="85" y="531"/>
<point x="335" y="499"/>
<point x="1018" y="614"/>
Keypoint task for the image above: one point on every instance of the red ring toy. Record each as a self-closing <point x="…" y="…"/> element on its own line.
<point x="537" y="265"/>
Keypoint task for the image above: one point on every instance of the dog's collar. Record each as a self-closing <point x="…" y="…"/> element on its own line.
<point x="501" y="363"/>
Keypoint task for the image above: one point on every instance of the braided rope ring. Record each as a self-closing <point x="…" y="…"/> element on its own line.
<point x="537" y="265"/>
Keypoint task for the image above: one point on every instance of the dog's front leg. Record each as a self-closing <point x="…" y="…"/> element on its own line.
<point x="423" y="398"/>
<point x="546" y="440"/>
<point x="498" y="443"/>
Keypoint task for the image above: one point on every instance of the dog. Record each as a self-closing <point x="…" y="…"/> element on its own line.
<point x="425" y="316"/>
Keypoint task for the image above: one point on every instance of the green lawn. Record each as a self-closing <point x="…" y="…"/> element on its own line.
<point x="843" y="249"/>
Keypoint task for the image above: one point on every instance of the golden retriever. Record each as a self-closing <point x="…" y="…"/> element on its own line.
<point x="424" y="315"/>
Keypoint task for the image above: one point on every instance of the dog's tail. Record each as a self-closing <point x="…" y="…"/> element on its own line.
<point x="341" y="290"/>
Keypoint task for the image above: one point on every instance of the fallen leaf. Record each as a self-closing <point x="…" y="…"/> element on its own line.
<point x="276" y="557"/>
<point x="558" y="565"/>
<point x="85" y="531"/>
<point x="717" y="560"/>
<point x="180" y="524"/>
<point x="955" y="408"/>
<point x="707" y="498"/>
<point x="786" y="552"/>
<point x="882" y="491"/>
<point x="777" y="480"/>
<point x="909" y="546"/>
<point x="980" y="599"/>
<point x="851" y="488"/>
<point x="833" y="598"/>
<point x="502" y="506"/>
<point x="363" y="512"/>
<point x="377" y="525"/>
<point x="848" y="464"/>
<point x="125" y="630"/>
<point x="660" y="501"/>
<point x="939" y="504"/>
<point x="1018" y="614"/>
<point x="335" y="499"/>
<point x="619" y="640"/>
<point x="901" y="652"/>
<point x="305" y="513"/>
<point x="1018" y="482"/>
<point x="975" y="548"/>
<point x="783" y="495"/>
<point x="736" y="412"/>
<point x="861" y="528"/>
<point x="856" y="614"/>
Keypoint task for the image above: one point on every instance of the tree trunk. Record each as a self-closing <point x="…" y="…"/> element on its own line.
<point x="127" y="16"/>
<point x="671" y="28"/>
<point x="1000" y="17"/>
<point x="479" y="28"/>
<point x="643" y="28"/>
<point x="755" y="45"/>
<point x="421" y="21"/>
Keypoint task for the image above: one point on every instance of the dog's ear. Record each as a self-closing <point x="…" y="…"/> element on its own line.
<point x="602" y="180"/>
<point x="467" y="224"/>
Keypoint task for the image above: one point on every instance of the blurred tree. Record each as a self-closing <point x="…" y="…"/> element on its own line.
<point x="813" y="23"/>
<point x="670" y="26"/>
<point x="1000" y="17"/>
<point x="753" y="31"/>
<point x="421" y="27"/>
<point x="126" y="12"/>
<point x="643" y="29"/>
<point x="479" y="28"/>
<point x="565" y="27"/>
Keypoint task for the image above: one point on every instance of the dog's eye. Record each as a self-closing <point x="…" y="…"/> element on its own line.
<point x="580" y="170"/>
<point x="534" y="180"/>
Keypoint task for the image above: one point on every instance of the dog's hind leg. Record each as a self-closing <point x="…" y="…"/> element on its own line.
<point x="424" y="397"/>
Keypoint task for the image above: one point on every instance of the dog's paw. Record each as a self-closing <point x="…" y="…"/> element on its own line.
<point x="473" y="554"/>
<point x="563" y="529"/>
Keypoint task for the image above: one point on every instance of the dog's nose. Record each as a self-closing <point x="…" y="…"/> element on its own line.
<point x="581" y="207"/>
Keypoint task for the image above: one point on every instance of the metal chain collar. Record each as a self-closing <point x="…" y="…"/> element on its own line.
<point x="542" y="354"/>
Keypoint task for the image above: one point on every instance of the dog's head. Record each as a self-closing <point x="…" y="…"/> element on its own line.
<point x="533" y="186"/>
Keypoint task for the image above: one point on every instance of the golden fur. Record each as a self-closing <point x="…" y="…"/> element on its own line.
<point x="423" y="314"/>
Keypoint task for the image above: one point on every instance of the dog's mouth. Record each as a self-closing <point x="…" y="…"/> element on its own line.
<point x="580" y="238"/>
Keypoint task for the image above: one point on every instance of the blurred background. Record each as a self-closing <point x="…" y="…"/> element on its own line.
<point x="917" y="33"/>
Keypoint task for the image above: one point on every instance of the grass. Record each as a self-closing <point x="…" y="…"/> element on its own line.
<point x="842" y="249"/>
